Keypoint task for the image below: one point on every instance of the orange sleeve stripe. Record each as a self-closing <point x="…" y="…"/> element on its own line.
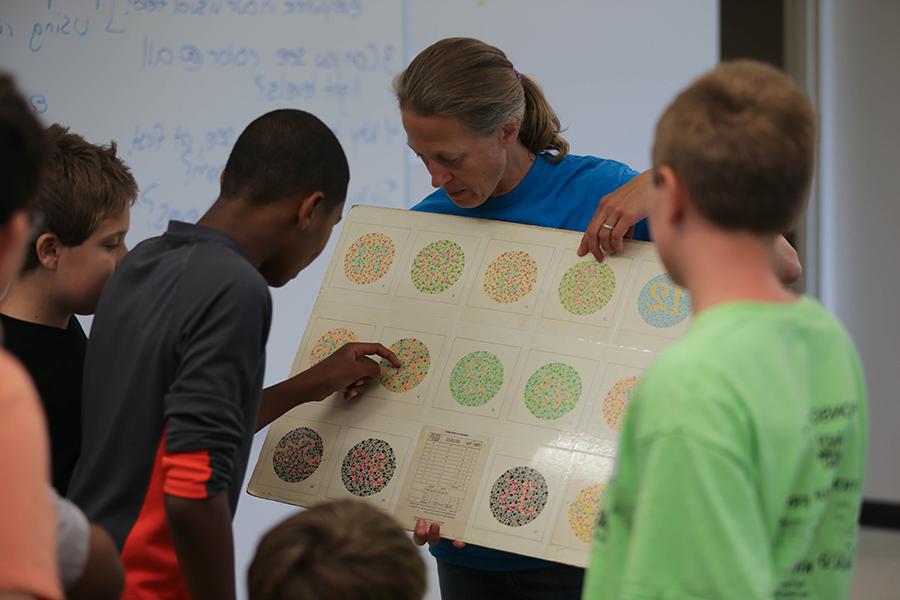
<point x="186" y="474"/>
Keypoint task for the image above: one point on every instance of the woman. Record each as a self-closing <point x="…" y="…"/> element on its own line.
<point x="492" y="144"/>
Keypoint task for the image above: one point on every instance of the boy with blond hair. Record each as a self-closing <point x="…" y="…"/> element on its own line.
<point x="83" y="200"/>
<point x="81" y="215"/>
<point x="342" y="550"/>
<point x="742" y="454"/>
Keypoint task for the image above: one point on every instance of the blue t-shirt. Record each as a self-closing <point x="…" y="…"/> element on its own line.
<point x="563" y="195"/>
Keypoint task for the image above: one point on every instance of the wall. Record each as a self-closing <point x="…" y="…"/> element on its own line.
<point x="860" y="208"/>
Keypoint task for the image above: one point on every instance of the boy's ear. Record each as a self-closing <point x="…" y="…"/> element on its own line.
<point x="674" y="196"/>
<point x="48" y="247"/>
<point x="310" y="208"/>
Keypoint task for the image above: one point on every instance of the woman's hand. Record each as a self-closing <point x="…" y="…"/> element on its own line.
<point x="430" y="533"/>
<point x="616" y="216"/>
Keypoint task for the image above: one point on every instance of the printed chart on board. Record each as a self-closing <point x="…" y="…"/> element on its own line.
<point x="518" y="357"/>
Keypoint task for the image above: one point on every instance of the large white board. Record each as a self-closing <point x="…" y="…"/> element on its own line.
<point x="518" y="357"/>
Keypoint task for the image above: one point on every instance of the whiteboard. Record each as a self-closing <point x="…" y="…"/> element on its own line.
<point x="175" y="81"/>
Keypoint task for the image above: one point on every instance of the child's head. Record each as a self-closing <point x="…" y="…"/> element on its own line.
<point x="343" y="550"/>
<point x="22" y="153"/>
<point x="290" y="163"/>
<point x="735" y="149"/>
<point x="84" y="198"/>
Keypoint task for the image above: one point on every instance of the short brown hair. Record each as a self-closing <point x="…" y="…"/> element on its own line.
<point x="83" y="184"/>
<point x="742" y="140"/>
<point x="472" y="81"/>
<point x="342" y="550"/>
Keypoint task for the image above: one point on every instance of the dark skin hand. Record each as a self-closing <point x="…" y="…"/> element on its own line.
<point x="349" y="369"/>
<point x="104" y="575"/>
<point x="201" y="535"/>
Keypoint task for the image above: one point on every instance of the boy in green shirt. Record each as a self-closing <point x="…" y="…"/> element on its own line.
<point x="742" y="454"/>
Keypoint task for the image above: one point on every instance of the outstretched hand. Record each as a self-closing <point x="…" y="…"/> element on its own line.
<point x="350" y="369"/>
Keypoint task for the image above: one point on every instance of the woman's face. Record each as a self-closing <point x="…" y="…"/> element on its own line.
<point x="467" y="166"/>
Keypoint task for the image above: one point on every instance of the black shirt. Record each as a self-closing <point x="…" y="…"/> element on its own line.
<point x="55" y="359"/>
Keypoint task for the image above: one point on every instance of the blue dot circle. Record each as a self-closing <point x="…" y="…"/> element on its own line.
<point x="663" y="304"/>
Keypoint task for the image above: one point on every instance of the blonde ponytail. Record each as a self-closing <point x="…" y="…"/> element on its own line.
<point x="540" y="131"/>
<point x="475" y="82"/>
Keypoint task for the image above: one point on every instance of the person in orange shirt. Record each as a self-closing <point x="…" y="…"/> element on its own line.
<point x="28" y="567"/>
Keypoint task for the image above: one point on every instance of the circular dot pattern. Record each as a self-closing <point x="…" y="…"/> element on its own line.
<point x="583" y="511"/>
<point x="415" y="359"/>
<point x="438" y="266"/>
<point x="587" y="287"/>
<point x="616" y="401"/>
<point x="663" y="304"/>
<point x="510" y="276"/>
<point x="368" y="467"/>
<point x="518" y="496"/>
<point x="369" y="258"/>
<point x="329" y="343"/>
<point x="298" y="454"/>
<point x="552" y="391"/>
<point x="476" y="378"/>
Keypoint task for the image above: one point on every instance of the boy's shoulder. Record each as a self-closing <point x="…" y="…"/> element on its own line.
<point x="201" y="256"/>
<point x="188" y="277"/>
<point x="728" y="335"/>
<point x="688" y="391"/>
<point x="52" y="356"/>
<point x="678" y="368"/>
<point x="739" y="350"/>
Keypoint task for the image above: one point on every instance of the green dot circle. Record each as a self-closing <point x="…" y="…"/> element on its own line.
<point x="438" y="266"/>
<point x="552" y="391"/>
<point x="587" y="287"/>
<point x="476" y="378"/>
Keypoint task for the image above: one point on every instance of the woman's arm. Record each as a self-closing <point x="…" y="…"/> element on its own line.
<point x="624" y="207"/>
